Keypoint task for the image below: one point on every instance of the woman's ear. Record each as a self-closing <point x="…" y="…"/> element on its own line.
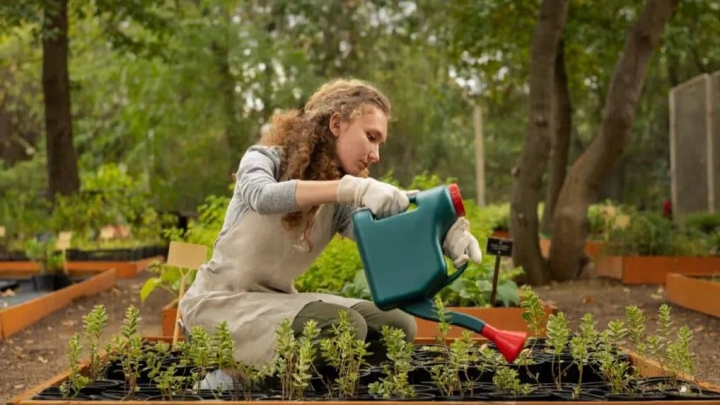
<point x="335" y="124"/>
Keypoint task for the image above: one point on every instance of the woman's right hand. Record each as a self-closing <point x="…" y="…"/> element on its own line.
<point x="382" y="199"/>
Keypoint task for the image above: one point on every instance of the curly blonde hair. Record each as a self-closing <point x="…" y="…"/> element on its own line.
<point x="306" y="139"/>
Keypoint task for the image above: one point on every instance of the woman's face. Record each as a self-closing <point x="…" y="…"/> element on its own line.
<point x="359" y="140"/>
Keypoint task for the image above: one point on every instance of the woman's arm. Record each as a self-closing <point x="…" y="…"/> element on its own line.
<point x="258" y="187"/>
<point x="309" y="193"/>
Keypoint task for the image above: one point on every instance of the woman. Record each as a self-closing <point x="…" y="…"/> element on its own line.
<point x="295" y="190"/>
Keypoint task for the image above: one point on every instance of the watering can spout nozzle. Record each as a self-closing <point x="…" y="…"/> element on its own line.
<point x="509" y="343"/>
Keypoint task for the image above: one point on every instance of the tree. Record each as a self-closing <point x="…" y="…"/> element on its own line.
<point x="560" y="140"/>
<point x="62" y="167"/>
<point x="53" y="28"/>
<point x="588" y="172"/>
<point x="536" y="149"/>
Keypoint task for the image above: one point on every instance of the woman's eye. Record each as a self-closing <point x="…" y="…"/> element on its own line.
<point x="371" y="137"/>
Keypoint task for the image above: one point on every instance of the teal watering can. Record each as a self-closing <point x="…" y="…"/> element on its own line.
<point x="405" y="266"/>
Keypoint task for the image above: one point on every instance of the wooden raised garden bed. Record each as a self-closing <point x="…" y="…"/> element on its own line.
<point x="694" y="293"/>
<point x="648" y="368"/>
<point x="18" y="317"/>
<point x="124" y="269"/>
<point x="654" y="269"/>
<point x="593" y="249"/>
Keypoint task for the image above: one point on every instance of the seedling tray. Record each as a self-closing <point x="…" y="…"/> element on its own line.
<point x="648" y="368"/>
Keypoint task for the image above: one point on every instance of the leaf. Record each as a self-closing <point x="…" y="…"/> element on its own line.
<point x="507" y="293"/>
<point x="149" y="286"/>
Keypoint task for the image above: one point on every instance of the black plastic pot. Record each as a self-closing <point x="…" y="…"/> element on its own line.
<point x="229" y="395"/>
<point x="564" y="368"/>
<point x="53" y="393"/>
<point x="181" y="397"/>
<point x="124" y="395"/>
<point x="538" y="372"/>
<point x="43" y="282"/>
<point x="537" y="395"/>
<point x="62" y="280"/>
<point x="640" y="396"/>
<point x="653" y="384"/>
<point x="568" y="394"/>
<point x="419" y="396"/>
<point x="691" y="393"/>
<point x="97" y="387"/>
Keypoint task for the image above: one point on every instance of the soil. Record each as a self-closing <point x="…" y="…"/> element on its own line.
<point x="606" y="300"/>
<point x="40" y="352"/>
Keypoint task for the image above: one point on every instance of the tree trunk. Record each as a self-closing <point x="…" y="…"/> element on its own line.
<point x="587" y="174"/>
<point x="561" y="140"/>
<point x="61" y="159"/>
<point x="536" y="148"/>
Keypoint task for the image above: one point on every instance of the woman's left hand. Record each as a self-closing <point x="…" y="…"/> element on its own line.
<point x="460" y="245"/>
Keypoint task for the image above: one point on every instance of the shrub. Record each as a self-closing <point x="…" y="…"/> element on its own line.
<point x="649" y="234"/>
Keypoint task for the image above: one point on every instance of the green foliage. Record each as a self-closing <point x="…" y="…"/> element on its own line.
<point x="169" y="278"/>
<point x="649" y="234"/>
<point x="109" y="196"/>
<point x="602" y="218"/>
<point x="533" y="314"/>
<point x="707" y="223"/>
<point x="206" y="228"/>
<point x="294" y="358"/>
<point x="395" y="383"/>
<point x="43" y="252"/>
<point x="335" y="268"/>
<point x="346" y="353"/>
<point x="76" y="380"/>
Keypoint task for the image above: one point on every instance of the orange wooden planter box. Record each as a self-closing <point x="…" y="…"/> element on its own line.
<point x="123" y="269"/>
<point x="654" y="269"/>
<point x="501" y="318"/>
<point x="593" y="249"/>
<point x="647" y="368"/>
<point x="169" y="312"/>
<point x="694" y="293"/>
<point x="18" y="317"/>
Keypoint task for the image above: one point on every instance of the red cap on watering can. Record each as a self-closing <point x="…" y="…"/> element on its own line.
<point x="457" y="200"/>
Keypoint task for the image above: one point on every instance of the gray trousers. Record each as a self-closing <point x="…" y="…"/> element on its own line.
<point x="367" y="318"/>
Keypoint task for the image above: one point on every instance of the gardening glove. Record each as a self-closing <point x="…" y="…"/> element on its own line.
<point x="459" y="244"/>
<point x="382" y="199"/>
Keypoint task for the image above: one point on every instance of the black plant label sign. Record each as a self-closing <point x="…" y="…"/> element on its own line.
<point x="499" y="247"/>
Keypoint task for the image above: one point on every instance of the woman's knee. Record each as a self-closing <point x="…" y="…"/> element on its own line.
<point x="406" y="322"/>
<point x="395" y="318"/>
<point x="327" y="316"/>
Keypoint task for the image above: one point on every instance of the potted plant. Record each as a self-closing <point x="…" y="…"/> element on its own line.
<point x="395" y="385"/>
<point x="51" y="275"/>
<point x="346" y="354"/>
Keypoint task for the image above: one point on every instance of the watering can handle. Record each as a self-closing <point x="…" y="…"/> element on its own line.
<point x="412" y="196"/>
<point x="457" y="273"/>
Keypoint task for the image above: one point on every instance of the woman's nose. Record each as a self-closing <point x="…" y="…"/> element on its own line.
<point x="374" y="156"/>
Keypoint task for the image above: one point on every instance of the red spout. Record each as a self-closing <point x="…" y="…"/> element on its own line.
<point x="509" y="343"/>
<point x="457" y="199"/>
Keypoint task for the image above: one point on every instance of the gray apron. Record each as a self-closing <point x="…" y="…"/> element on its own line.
<point x="249" y="281"/>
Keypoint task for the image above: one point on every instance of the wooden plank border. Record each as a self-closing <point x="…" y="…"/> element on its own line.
<point x="18" y="317"/>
